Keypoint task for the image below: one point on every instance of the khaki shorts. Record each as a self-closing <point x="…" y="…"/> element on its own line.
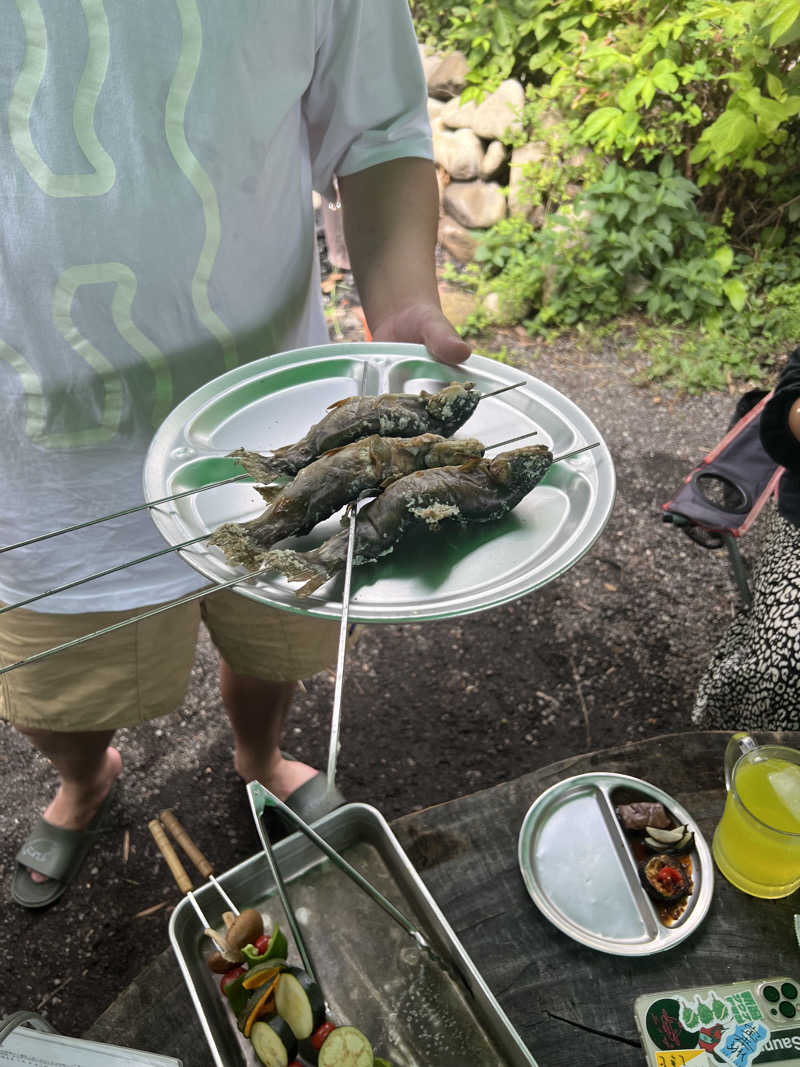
<point x="141" y="671"/>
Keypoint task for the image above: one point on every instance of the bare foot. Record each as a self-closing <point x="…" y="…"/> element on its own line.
<point x="281" y="776"/>
<point x="73" y="807"/>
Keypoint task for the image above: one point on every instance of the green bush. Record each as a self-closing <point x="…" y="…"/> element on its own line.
<point x="680" y="122"/>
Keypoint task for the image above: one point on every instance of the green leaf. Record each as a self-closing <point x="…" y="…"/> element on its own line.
<point x="736" y="292"/>
<point x="733" y="129"/>
<point x="599" y="120"/>
<point x="782" y="19"/>
<point x="724" y="257"/>
<point x="775" y="86"/>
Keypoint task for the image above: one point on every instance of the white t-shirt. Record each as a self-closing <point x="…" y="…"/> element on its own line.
<point x="157" y="159"/>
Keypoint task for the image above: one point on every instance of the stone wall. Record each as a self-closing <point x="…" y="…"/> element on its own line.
<point x="479" y="172"/>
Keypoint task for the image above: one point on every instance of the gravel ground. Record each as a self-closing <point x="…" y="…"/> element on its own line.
<point x="609" y="652"/>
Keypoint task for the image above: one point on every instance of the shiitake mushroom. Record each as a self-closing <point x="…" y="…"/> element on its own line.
<point x="665" y="881"/>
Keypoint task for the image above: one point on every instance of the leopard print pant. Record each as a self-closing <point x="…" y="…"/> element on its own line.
<point x="753" y="679"/>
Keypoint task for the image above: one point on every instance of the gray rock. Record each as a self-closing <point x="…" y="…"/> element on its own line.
<point x="434" y="108"/>
<point x="496" y="115"/>
<point x="460" y="152"/>
<point x="449" y="77"/>
<point x="493" y="159"/>
<point x="533" y="152"/>
<point x="476" y="205"/>
<point x="430" y="60"/>
<point x="456" y="239"/>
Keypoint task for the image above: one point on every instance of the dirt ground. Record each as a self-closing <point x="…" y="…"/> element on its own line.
<point x="608" y="653"/>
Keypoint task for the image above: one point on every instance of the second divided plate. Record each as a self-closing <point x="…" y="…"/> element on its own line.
<point x="273" y="401"/>
<point x="580" y="871"/>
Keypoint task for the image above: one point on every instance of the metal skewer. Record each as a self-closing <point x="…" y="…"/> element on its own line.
<point x="38" y="656"/>
<point x="102" y="574"/>
<point x="177" y="496"/>
<point x="120" y="514"/>
<point x="505" y="389"/>
<point x="333" y="745"/>
<point x="299" y="940"/>
<point x="162" y="552"/>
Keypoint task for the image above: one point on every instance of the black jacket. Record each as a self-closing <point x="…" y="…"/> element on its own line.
<point x="779" y="442"/>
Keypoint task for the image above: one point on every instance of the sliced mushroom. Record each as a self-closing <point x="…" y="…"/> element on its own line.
<point x="246" y="927"/>
<point x="230" y="954"/>
<point x="218" y="964"/>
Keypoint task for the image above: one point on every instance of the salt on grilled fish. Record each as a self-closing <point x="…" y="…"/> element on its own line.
<point x="480" y="490"/>
<point x="330" y="482"/>
<point x="389" y="415"/>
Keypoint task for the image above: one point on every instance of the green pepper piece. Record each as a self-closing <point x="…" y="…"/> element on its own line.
<point x="237" y="995"/>
<point x="277" y="949"/>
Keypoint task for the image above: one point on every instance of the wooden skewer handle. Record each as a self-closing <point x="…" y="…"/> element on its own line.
<point x="186" y="843"/>
<point x="170" y="855"/>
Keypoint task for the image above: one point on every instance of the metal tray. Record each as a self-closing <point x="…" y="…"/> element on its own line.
<point x="273" y="401"/>
<point x="580" y="872"/>
<point x="372" y="973"/>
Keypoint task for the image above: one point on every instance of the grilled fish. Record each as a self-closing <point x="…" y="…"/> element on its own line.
<point x="330" y="482"/>
<point x="389" y="415"/>
<point x="480" y="490"/>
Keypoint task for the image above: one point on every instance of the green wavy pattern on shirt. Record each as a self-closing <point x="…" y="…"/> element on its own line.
<point x="121" y="304"/>
<point x="174" y="126"/>
<point x="68" y="284"/>
<point x="86" y="94"/>
<point x="32" y="389"/>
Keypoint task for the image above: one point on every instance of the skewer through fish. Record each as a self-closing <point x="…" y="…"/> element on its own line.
<point x="326" y="485"/>
<point x="480" y="490"/>
<point x="389" y="415"/>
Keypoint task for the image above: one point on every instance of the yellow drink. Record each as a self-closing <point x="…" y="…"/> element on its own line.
<point x="757" y="842"/>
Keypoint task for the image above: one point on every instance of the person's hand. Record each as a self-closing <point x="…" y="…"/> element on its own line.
<point x="424" y="324"/>
<point x="794" y="420"/>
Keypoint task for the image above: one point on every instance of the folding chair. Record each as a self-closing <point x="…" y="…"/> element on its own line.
<point x="722" y="497"/>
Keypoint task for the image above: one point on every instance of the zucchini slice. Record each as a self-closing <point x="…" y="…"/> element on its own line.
<point x="345" y="1047"/>
<point x="273" y="1042"/>
<point x="299" y="1000"/>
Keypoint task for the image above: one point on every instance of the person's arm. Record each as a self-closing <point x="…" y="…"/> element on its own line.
<point x="780" y="419"/>
<point x="794" y="420"/>
<point x="391" y="214"/>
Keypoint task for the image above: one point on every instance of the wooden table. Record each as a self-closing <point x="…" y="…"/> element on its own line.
<point x="571" y="1005"/>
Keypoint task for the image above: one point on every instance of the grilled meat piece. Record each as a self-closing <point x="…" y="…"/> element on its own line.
<point x="330" y="482"/>
<point x="388" y="415"/>
<point x="480" y="490"/>
<point x="643" y="813"/>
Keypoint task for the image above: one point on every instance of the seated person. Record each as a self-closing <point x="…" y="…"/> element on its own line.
<point x="753" y="679"/>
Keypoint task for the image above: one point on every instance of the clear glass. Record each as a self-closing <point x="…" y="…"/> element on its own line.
<point x="757" y="842"/>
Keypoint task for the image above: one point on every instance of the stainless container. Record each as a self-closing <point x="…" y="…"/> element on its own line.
<point x="373" y="977"/>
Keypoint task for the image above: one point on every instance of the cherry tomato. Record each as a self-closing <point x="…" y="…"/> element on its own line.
<point x="230" y="976"/>
<point x="319" y="1035"/>
<point x="261" y="944"/>
<point x="295" y="1063"/>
